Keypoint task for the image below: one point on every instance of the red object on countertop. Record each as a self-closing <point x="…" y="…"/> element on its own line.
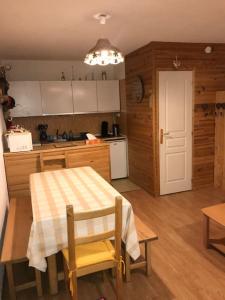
<point x="93" y="142"/>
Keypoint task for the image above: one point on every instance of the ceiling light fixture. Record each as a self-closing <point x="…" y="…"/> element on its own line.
<point x="103" y="52"/>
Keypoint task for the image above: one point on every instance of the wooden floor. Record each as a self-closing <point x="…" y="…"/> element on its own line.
<point x="182" y="268"/>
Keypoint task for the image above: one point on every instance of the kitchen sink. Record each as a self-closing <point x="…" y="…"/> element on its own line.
<point x="67" y="144"/>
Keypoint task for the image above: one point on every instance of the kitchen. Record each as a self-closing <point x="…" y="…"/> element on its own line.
<point x="143" y="122"/>
<point x="77" y="110"/>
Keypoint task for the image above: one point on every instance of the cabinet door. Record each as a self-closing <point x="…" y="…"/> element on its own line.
<point x="108" y="95"/>
<point x="56" y="97"/>
<point x="97" y="158"/>
<point x="84" y="96"/>
<point x="28" y="98"/>
<point x="118" y="159"/>
<point x="18" y="169"/>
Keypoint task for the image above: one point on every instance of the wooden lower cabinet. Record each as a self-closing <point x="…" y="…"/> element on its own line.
<point x="19" y="166"/>
<point x="98" y="160"/>
<point x="18" y="169"/>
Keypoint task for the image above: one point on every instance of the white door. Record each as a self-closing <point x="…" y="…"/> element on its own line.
<point x="118" y="159"/>
<point x="27" y="95"/>
<point x="84" y="96"/>
<point x="108" y="95"/>
<point x="175" y="130"/>
<point x="57" y="97"/>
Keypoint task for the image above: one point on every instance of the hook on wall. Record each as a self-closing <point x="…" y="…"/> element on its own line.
<point x="207" y="108"/>
<point x="220" y="107"/>
<point x="176" y="63"/>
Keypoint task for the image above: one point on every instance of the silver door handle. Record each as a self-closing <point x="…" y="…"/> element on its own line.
<point x="166" y="133"/>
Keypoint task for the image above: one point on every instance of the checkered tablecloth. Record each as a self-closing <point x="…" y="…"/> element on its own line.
<point x="82" y="187"/>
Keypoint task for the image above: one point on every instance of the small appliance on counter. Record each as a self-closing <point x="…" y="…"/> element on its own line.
<point x="19" y="139"/>
<point x="115" y="129"/>
<point x="43" y="132"/>
<point x="104" y="129"/>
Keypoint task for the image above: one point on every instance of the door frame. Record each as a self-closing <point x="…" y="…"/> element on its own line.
<point x="155" y="113"/>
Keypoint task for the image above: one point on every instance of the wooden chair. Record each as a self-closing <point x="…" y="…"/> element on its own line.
<point x="15" y="244"/>
<point x="45" y="158"/>
<point x="93" y="253"/>
<point x="145" y="236"/>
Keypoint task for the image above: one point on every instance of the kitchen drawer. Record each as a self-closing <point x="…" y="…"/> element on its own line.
<point x="98" y="159"/>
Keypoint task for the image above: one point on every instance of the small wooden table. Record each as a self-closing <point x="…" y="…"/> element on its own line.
<point x="217" y="214"/>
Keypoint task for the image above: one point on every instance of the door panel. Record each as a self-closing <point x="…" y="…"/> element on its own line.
<point x="108" y="95"/>
<point x="84" y="96"/>
<point x="57" y="97"/>
<point x="175" y="124"/>
<point x="28" y="98"/>
<point x="118" y="159"/>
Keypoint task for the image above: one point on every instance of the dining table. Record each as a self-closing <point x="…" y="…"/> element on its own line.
<point x="85" y="189"/>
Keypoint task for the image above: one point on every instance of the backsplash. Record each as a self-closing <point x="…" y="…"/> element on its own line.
<point x="76" y="123"/>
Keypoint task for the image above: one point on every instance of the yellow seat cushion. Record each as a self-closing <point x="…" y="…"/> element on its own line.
<point x="92" y="253"/>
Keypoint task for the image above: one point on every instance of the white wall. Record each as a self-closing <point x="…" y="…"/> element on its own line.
<point x="3" y="185"/>
<point x="3" y="189"/>
<point x="51" y="70"/>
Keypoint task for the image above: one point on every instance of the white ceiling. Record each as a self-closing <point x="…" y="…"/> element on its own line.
<point x="53" y="29"/>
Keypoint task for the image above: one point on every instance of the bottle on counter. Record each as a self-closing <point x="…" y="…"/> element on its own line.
<point x="63" y="77"/>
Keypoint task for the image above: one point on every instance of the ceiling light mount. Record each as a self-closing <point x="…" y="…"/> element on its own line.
<point x="102" y="17"/>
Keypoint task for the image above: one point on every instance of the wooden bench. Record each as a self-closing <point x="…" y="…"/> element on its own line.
<point x="217" y="214"/>
<point x="145" y="236"/>
<point x="15" y="244"/>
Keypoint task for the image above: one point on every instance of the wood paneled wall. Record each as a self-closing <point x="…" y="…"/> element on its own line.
<point x="219" y="161"/>
<point x="139" y="119"/>
<point x="76" y="123"/>
<point x="209" y="77"/>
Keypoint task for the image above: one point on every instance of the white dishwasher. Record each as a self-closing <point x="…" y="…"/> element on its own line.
<point x="118" y="158"/>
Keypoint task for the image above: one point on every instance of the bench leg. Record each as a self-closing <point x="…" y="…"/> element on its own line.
<point x="38" y="283"/>
<point x="127" y="265"/>
<point x="12" y="291"/>
<point x="206" y="231"/>
<point x="52" y="274"/>
<point x="148" y="257"/>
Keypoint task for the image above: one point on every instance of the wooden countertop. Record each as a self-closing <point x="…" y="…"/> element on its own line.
<point x="54" y="147"/>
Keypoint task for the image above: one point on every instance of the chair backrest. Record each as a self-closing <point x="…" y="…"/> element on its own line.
<point x="45" y="157"/>
<point x="116" y="232"/>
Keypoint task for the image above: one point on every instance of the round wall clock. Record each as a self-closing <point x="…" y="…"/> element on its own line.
<point x="138" y="89"/>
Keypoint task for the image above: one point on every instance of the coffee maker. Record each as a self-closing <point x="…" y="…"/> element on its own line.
<point x="43" y="132"/>
<point x="105" y="129"/>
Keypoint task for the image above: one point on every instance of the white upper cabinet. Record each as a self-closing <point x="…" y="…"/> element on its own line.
<point x="34" y="98"/>
<point x="28" y="98"/>
<point x="84" y="96"/>
<point x="57" y="97"/>
<point x="108" y="95"/>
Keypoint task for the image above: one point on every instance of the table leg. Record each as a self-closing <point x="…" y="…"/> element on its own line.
<point x="206" y="231"/>
<point x="127" y="264"/>
<point x="38" y="282"/>
<point x="148" y="257"/>
<point x="52" y="274"/>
